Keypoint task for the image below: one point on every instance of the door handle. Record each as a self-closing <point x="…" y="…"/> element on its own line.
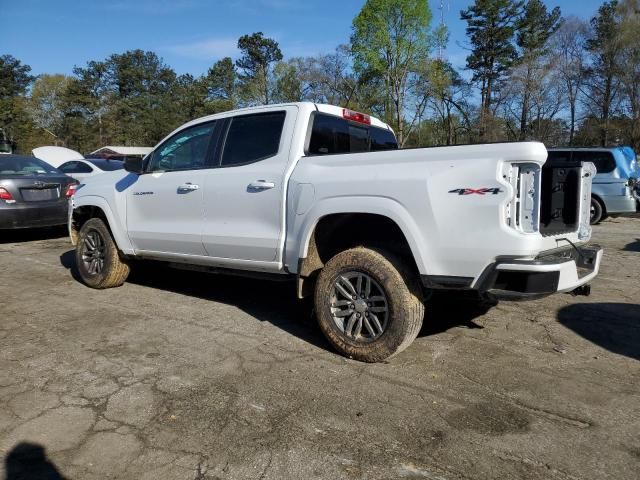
<point x="261" y="185"/>
<point x="188" y="187"/>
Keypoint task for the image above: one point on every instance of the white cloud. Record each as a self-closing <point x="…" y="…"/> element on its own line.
<point x="212" y="48"/>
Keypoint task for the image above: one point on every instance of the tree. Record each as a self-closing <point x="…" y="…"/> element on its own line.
<point x="390" y="41"/>
<point x="258" y="55"/>
<point x="47" y="103"/>
<point x="221" y="83"/>
<point x="288" y="84"/>
<point x="534" y="29"/>
<point x="449" y="102"/>
<point x="328" y="78"/>
<point x="14" y="82"/>
<point x="129" y="94"/>
<point x="88" y="97"/>
<point x="568" y="45"/>
<point x="490" y="28"/>
<point x="14" y="77"/>
<point x="603" y="74"/>
<point x="188" y="100"/>
<point x="629" y="12"/>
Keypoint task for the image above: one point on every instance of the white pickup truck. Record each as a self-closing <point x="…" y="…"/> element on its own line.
<point x="322" y="194"/>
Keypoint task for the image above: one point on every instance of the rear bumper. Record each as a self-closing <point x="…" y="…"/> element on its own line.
<point x="560" y="270"/>
<point x="32" y="216"/>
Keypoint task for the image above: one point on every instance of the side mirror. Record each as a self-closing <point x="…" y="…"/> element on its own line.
<point x="134" y="165"/>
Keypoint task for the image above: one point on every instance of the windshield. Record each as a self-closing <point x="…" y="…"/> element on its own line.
<point x="11" y="165"/>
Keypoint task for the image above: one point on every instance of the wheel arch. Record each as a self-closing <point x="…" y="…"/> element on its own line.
<point x="384" y="228"/>
<point x="88" y="207"/>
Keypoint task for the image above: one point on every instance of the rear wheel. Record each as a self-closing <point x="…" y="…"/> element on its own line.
<point x="368" y="304"/>
<point x="97" y="257"/>
<point x="597" y="211"/>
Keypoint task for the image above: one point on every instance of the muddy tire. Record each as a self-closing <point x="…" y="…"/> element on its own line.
<point x="368" y="304"/>
<point x="98" y="261"/>
<point x="597" y="211"/>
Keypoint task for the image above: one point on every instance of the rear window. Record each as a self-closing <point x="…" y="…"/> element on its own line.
<point x="330" y="135"/>
<point x="10" y="165"/>
<point x="604" y="161"/>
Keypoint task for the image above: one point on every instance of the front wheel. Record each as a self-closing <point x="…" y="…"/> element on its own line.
<point x="97" y="257"/>
<point x="368" y="304"/>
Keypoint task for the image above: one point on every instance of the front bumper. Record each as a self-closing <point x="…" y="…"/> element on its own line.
<point x="559" y="270"/>
<point x="33" y="216"/>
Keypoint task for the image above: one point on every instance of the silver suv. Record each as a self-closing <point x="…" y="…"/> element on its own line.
<point x="615" y="188"/>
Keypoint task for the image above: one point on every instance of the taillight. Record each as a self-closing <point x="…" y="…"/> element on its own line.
<point x="5" y="194"/>
<point x="356" y="116"/>
<point x="71" y="189"/>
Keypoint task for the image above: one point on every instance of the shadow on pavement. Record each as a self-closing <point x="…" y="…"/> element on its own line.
<point x="612" y="326"/>
<point x="633" y="246"/>
<point x="32" y="234"/>
<point x="272" y="301"/>
<point x="276" y="301"/>
<point x="445" y="310"/>
<point x="28" y="461"/>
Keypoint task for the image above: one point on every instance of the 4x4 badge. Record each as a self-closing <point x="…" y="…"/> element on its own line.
<point x="477" y="191"/>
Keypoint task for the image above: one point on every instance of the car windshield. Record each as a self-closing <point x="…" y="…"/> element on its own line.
<point x="11" y="165"/>
<point x="107" y="165"/>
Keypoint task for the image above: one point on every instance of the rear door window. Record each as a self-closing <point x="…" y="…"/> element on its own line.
<point x="604" y="161"/>
<point x="251" y="138"/>
<point x="331" y="134"/>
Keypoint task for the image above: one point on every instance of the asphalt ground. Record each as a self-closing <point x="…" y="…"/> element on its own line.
<point x="183" y="375"/>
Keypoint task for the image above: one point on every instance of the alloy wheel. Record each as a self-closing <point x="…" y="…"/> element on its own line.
<point x="93" y="252"/>
<point x="359" y="307"/>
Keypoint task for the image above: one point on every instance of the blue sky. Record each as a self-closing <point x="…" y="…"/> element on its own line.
<point x="53" y="36"/>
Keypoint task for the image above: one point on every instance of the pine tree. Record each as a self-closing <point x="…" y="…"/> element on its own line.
<point x="604" y="73"/>
<point x="534" y="29"/>
<point x="491" y="25"/>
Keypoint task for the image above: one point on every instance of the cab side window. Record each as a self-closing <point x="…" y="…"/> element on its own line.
<point x="251" y="138"/>
<point x="186" y="150"/>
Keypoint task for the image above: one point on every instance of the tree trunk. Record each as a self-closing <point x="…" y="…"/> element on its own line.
<point x="525" y="106"/>
<point x="606" y="106"/>
<point x="486" y="108"/>
<point x="572" y="129"/>
<point x="265" y="72"/>
<point x="523" y="116"/>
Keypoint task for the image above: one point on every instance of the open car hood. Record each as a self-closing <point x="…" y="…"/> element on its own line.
<point x="56" y="156"/>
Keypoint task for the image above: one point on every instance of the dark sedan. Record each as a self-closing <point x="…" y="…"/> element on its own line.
<point x="32" y="193"/>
